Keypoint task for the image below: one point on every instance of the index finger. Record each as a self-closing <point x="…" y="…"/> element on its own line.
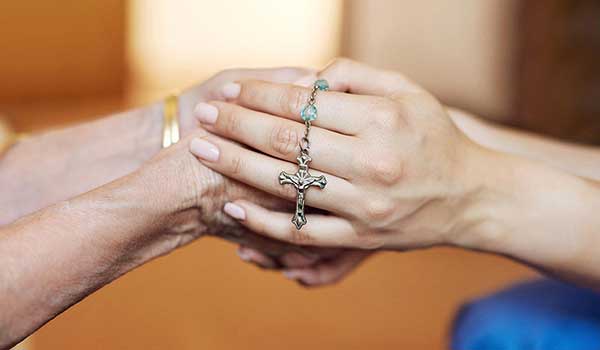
<point x="337" y="111"/>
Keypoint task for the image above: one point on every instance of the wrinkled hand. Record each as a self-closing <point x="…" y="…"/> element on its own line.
<point x="311" y="266"/>
<point x="327" y="266"/>
<point x="212" y="190"/>
<point x="398" y="170"/>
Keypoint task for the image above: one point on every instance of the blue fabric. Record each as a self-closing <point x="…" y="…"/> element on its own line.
<point x="544" y="315"/>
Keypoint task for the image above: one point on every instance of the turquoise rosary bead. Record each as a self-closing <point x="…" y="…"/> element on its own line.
<point x="309" y="113"/>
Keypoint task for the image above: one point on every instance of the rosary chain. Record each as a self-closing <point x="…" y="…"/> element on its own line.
<point x="305" y="143"/>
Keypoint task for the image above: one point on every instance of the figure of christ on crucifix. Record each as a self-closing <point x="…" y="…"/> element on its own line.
<point x="301" y="180"/>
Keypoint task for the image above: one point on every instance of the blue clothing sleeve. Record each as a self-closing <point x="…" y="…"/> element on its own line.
<point x="543" y="314"/>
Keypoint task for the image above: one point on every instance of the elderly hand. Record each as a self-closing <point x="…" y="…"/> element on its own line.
<point x="221" y="188"/>
<point x="324" y="267"/>
<point x="63" y="252"/>
<point x="400" y="174"/>
<point x="218" y="87"/>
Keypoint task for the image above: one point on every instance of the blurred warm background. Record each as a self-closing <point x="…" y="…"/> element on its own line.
<point x="69" y="61"/>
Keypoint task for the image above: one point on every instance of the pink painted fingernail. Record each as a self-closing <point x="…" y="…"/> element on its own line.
<point x="206" y="113"/>
<point x="231" y="90"/>
<point x="204" y="150"/>
<point x="235" y="211"/>
<point x="243" y="254"/>
<point x="291" y="274"/>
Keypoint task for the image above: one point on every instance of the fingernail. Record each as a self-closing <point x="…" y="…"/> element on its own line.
<point x="235" y="211"/>
<point x="243" y="255"/>
<point x="206" y="113"/>
<point x="291" y="274"/>
<point x="204" y="150"/>
<point x="231" y="90"/>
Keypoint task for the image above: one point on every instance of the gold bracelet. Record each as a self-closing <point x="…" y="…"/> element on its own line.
<point x="171" y="121"/>
<point x="7" y="137"/>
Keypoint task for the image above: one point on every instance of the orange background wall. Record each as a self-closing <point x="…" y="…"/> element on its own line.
<point x="61" y="60"/>
<point x="54" y="49"/>
<point x="64" y="61"/>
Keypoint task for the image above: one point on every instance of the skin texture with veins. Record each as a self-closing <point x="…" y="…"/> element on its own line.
<point x="79" y="207"/>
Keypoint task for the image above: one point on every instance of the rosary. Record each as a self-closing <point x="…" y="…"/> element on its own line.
<point x="302" y="179"/>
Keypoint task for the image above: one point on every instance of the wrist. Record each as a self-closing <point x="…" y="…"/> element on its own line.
<point x="143" y="128"/>
<point x="155" y="213"/>
<point x="74" y="160"/>
<point x="524" y="209"/>
<point x="489" y="180"/>
<point x="179" y="194"/>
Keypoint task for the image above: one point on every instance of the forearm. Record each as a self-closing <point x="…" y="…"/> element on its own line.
<point x="57" y="256"/>
<point x="575" y="159"/>
<point x="60" y="164"/>
<point x="57" y="165"/>
<point x="535" y="214"/>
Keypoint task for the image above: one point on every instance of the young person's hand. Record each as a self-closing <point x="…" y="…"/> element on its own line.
<point x="398" y="170"/>
<point x="400" y="174"/>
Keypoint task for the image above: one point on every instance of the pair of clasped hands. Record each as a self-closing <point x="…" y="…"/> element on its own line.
<point x="394" y="161"/>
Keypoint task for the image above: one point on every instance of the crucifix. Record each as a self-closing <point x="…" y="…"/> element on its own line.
<point x="301" y="180"/>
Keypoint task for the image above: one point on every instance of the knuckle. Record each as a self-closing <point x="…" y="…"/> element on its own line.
<point x="233" y="121"/>
<point x="286" y="191"/>
<point x="299" y="237"/>
<point x="378" y="209"/>
<point x="414" y="106"/>
<point x="236" y="165"/>
<point x="357" y="165"/>
<point x="385" y="115"/>
<point x="341" y="63"/>
<point x="369" y="240"/>
<point x="284" y="139"/>
<point x="386" y="169"/>
<point x="292" y="100"/>
<point x="251" y="92"/>
<point x="404" y="105"/>
<point x="402" y="83"/>
<point x="337" y="73"/>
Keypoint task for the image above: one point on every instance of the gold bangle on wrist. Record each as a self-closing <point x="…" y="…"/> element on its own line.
<point x="8" y="137"/>
<point x="171" y="121"/>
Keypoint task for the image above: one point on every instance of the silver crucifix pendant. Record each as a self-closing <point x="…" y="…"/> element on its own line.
<point x="301" y="180"/>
